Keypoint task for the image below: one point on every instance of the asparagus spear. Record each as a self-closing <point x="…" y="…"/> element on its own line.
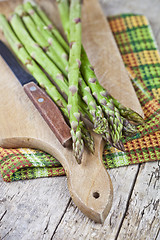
<point x="73" y="77"/>
<point x="64" y="13"/>
<point x="124" y="111"/>
<point x="91" y="79"/>
<point x="128" y="128"/>
<point x="127" y="113"/>
<point x="52" y="28"/>
<point x="100" y="123"/>
<point x="112" y="113"/>
<point x="64" y="10"/>
<point x="46" y="33"/>
<point x="99" y="126"/>
<point x="63" y="7"/>
<point x="60" y="80"/>
<point x="41" y="78"/>
<point x="37" y="53"/>
<point x="42" y="42"/>
<point x="38" y="37"/>
<point x="48" y="65"/>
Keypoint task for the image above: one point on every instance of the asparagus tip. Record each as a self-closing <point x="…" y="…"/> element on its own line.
<point x="119" y="145"/>
<point x="78" y="148"/>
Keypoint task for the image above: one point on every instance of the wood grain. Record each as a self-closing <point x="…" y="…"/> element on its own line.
<point x="56" y="217"/>
<point x="22" y="126"/>
<point x="17" y="112"/>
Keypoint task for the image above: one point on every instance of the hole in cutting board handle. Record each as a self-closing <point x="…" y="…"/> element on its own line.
<point x="96" y="195"/>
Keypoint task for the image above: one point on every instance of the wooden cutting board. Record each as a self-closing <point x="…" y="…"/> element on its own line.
<point x="21" y="125"/>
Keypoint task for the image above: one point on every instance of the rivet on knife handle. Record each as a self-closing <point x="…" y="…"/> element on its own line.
<point x="49" y="112"/>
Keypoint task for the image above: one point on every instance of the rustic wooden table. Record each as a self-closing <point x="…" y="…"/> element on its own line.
<point x="42" y="208"/>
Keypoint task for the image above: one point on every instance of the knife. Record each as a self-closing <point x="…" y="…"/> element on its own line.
<point x="44" y="104"/>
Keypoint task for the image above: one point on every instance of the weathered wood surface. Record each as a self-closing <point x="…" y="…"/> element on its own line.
<point x="17" y="111"/>
<point x="46" y="211"/>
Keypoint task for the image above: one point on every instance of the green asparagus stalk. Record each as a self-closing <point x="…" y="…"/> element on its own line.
<point x="38" y="37"/>
<point x="52" y="28"/>
<point x="99" y="126"/>
<point x="127" y="113"/>
<point x="64" y="10"/>
<point x="63" y="7"/>
<point x="124" y="111"/>
<point x="86" y="67"/>
<point x="46" y="33"/>
<point x="112" y="113"/>
<point x="41" y="78"/>
<point x="128" y="128"/>
<point x="114" y="119"/>
<point x="100" y="123"/>
<point x="64" y="13"/>
<point x="91" y="79"/>
<point x="87" y="138"/>
<point x="33" y="68"/>
<point x="73" y="77"/>
<point x="43" y="42"/>
<point x="37" y="53"/>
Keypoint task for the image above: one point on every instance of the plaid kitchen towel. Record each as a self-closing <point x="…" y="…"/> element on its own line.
<point x="142" y="60"/>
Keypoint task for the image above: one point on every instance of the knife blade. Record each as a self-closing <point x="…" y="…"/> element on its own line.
<point x="44" y="104"/>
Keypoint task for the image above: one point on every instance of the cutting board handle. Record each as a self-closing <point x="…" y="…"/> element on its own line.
<point x="92" y="190"/>
<point x="23" y="126"/>
<point x="89" y="183"/>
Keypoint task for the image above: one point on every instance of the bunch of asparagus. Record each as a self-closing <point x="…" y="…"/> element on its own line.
<point x="74" y="86"/>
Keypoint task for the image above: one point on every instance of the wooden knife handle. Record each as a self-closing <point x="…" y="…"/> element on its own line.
<point x="50" y="112"/>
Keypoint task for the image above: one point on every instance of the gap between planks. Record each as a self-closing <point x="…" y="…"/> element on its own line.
<point x="65" y="210"/>
<point x="128" y="200"/>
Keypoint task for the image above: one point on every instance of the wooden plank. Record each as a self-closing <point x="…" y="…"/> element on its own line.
<point x="32" y="209"/>
<point x="75" y="225"/>
<point x="27" y="208"/>
<point x="79" y="226"/>
<point x="17" y="111"/>
<point x="143" y="213"/>
<point x="135" y="210"/>
<point x="37" y="135"/>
